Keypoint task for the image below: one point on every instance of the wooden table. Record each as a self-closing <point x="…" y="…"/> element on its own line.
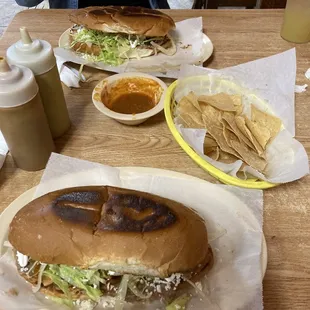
<point x="238" y="36"/>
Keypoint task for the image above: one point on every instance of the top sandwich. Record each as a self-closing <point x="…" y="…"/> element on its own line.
<point x="113" y="34"/>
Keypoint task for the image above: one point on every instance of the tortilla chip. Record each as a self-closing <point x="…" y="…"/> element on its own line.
<point x="209" y="141"/>
<point x="208" y="135"/>
<point x="192" y="98"/>
<point x="188" y="122"/>
<point x="230" y="119"/>
<point x="240" y="121"/>
<point x="228" y="135"/>
<point x="215" y="129"/>
<point x="239" y="110"/>
<point x="242" y="174"/>
<point x="219" y="101"/>
<point x="262" y="134"/>
<point x="213" y="153"/>
<point x="213" y="114"/>
<point x="186" y="108"/>
<point x="248" y="156"/>
<point x="237" y="99"/>
<point x="272" y="123"/>
<point x="227" y="158"/>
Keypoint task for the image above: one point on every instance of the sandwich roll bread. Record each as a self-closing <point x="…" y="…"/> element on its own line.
<point x="124" y="19"/>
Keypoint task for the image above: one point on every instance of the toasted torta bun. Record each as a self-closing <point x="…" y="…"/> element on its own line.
<point x="124" y="19"/>
<point x="122" y="230"/>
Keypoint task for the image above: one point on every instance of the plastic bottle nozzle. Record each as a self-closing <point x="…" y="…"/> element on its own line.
<point x="4" y="66"/>
<point x="26" y="39"/>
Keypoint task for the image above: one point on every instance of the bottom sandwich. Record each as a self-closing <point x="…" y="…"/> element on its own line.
<point x="110" y="246"/>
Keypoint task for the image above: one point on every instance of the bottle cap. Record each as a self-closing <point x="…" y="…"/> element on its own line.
<point x="17" y="85"/>
<point x="36" y="55"/>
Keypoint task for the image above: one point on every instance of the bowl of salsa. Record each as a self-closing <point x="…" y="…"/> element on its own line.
<point x="130" y="98"/>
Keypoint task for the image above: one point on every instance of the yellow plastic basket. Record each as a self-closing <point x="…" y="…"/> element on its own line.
<point x="215" y="172"/>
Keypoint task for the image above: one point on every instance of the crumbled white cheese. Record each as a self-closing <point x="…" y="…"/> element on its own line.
<point x="157" y="284"/>
<point x="22" y="259"/>
<point x="168" y="287"/>
<point x="199" y="285"/>
<point x="85" y="304"/>
<point x="24" y="269"/>
<point x="107" y="302"/>
<point x="39" y="237"/>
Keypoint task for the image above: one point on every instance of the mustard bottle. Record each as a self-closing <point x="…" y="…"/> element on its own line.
<point x="38" y="56"/>
<point x="22" y="118"/>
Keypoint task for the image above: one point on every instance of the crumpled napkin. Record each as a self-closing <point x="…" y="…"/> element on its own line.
<point x="301" y="88"/>
<point x="68" y="75"/>
<point x="3" y="149"/>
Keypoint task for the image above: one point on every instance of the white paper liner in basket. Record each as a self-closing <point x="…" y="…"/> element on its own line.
<point x="286" y="157"/>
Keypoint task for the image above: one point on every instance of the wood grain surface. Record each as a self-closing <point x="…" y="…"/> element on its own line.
<point x="238" y="36"/>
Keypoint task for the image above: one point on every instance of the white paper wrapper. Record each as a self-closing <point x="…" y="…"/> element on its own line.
<point x="193" y="47"/>
<point x="3" y="149"/>
<point x="267" y="84"/>
<point x="235" y="281"/>
<point x="69" y="76"/>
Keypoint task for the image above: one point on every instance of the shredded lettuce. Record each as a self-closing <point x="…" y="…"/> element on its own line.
<point x="113" y="47"/>
<point x="87" y="280"/>
<point x="179" y="303"/>
<point x="63" y="285"/>
<point x="61" y="301"/>
<point x="122" y="292"/>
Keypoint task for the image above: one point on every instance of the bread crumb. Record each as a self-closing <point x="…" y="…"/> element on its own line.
<point x="12" y="292"/>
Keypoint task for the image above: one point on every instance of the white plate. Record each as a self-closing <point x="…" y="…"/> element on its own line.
<point x="64" y="43"/>
<point x="234" y="203"/>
